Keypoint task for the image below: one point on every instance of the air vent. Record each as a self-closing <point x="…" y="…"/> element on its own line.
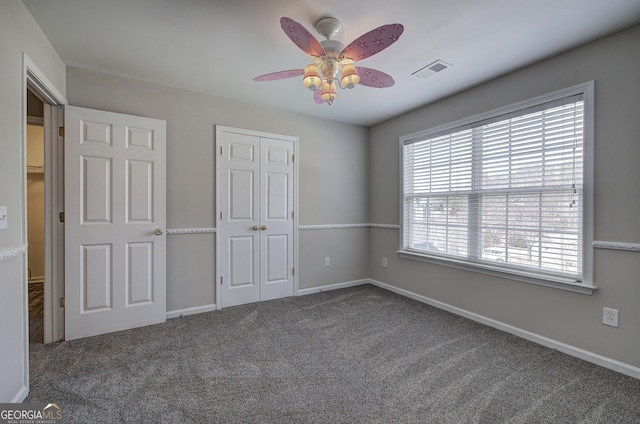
<point x="432" y="69"/>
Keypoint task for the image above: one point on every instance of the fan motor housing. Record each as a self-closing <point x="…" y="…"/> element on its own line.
<point x="328" y="26"/>
<point x="332" y="47"/>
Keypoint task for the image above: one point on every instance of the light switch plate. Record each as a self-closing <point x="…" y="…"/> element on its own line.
<point x="3" y="217"/>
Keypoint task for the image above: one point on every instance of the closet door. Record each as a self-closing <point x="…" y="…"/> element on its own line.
<point x="256" y="221"/>
<point x="276" y="218"/>
<point x="239" y="222"/>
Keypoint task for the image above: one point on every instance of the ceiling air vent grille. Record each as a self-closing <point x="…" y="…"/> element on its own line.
<point x="431" y="69"/>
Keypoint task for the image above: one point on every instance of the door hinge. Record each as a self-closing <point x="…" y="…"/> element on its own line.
<point x="293" y="271"/>
<point x="293" y="158"/>
<point x="60" y="131"/>
<point x="62" y="302"/>
<point x="220" y="150"/>
<point x="293" y="214"/>
<point x="61" y="217"/>
<point x="221" y="280"/>
<point x="220" y="216"/>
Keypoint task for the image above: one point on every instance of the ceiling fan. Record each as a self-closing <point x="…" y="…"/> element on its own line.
<point x="331" y="58"/>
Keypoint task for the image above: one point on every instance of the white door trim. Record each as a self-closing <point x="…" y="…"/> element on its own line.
<point x="37" y="81"/>
<point x="54" y="229"/>
<point x="218" y="130"/>
<point x="54" y="101"/>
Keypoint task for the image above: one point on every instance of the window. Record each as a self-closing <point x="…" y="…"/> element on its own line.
<point x="506" y="192"/>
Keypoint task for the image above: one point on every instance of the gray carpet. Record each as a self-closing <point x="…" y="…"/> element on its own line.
<point x="357" y="355"/>
<point x="36" y="312"/>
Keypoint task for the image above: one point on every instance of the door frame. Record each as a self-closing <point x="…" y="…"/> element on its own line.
<point x="218" y="129"/>
<point x="36" y="81"/>
<point x="54" y="102"/>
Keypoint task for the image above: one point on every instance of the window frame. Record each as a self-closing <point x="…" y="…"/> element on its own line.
<point x="586" y="286"/>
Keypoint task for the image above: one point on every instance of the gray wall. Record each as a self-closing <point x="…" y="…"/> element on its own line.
<point x="333" y="186"/>
<point x="571" y="318"/>
<point x="18" y="33"/>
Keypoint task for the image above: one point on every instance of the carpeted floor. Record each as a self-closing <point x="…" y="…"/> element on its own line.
<point x="36" y="312"/>
<point x="357" y="355"/>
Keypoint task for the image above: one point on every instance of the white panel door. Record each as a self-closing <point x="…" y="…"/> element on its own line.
<point x="240" y="209"/>
<point x="115" y="245"/>
<point x="256" y="222"/>
<point x="276" y="220"/>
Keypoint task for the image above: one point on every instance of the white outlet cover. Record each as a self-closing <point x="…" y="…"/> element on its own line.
<point x="610" y="317"/>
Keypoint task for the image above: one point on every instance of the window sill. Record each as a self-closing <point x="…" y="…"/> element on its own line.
<point x="517" y="275"/>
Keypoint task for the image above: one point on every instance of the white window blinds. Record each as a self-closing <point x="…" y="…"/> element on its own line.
<point x="504" y="192"/>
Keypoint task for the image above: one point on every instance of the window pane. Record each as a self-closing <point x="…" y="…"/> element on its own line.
<point x="442" y="164"/>
<point x="514" y="227"/>
<point x="504" y="191"/>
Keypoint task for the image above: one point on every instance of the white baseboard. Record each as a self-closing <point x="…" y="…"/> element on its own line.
<point x="208" y="308"/>
<point x="191" y="311"/>
<point x="577" y="352"/>
<point x="21" y="395"/>
<point x="312" y="290"/>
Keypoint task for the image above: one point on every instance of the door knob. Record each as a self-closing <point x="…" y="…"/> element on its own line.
<point x="264" y="227"/>
<point x="254" y="228"/>
<point x="159" y="231"/>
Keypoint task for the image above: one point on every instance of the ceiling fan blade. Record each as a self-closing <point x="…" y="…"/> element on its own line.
<point x="372" y="42"/>
<point x="280" y="75"/>
<point x="301" y="37"/>
<point x="374" y="78"/>
<point x="317" y="98"/>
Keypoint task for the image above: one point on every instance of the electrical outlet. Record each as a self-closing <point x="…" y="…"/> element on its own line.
<point x="384" y="262"/>
<point x="327" y="261"/>
<point x="610" y="317"/>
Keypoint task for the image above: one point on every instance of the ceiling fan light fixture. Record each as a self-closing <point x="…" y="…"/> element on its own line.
<point x="329" y="92"/>
<point x="311" y="78"/>
<point x="350" y="76"/>
<point x="332" y="61"/>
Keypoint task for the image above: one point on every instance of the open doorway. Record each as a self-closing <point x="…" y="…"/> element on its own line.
<point x="43" y="196"/>
<point x="35" y="216"/>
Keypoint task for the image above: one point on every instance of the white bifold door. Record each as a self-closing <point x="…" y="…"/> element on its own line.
<point x="115" y="245"/>
<point x="256" y="184"/>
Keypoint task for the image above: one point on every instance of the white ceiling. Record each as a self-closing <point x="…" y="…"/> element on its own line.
<point x="216" y="47"/>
